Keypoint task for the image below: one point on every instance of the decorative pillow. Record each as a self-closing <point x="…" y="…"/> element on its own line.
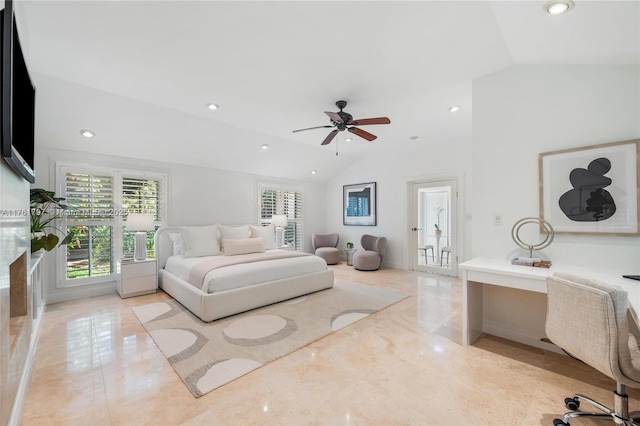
<point x="267" y="233"/>
<point x="200" y="241"/>
<point x="176" y="237"/>
<point x="234" y="232"/>
<point x="233" y="247"/>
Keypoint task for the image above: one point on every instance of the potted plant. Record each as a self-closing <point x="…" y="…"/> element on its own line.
<point x="45" y="209"/>
<point x="438" y="210"/>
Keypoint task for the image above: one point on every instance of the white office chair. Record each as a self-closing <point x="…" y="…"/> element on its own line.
<point x="591" y="321"/>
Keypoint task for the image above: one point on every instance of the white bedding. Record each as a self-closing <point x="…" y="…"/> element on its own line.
<point x="246" y="274"/>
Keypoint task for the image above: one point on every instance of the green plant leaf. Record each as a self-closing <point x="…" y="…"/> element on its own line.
<point x="68" y="238"/>
<point x="51" y="241"/>
<point x="37" y="244"/>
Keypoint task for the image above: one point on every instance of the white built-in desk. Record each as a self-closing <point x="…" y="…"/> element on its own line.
<point x="509" y="301"/>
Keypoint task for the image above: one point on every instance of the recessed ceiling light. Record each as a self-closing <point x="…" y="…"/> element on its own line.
<point x="413" y="138"/>
<point x="454" y="108"/>
<point x="313" y="172"/>
<point x="348" y="139"/>
<point x="556" y="7"/>
<point x="213" y="106"/>
<point x="265" y="146"/>
<point x="87" y="133"/>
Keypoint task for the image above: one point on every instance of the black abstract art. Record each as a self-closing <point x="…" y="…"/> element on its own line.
<point x="589" y="201"/>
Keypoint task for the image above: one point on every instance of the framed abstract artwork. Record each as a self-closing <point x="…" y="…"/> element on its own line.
<point x="359" y="204"/>
<point x="591" y="190"/>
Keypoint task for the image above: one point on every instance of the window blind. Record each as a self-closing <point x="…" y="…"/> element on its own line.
<point x="287" y="202"/>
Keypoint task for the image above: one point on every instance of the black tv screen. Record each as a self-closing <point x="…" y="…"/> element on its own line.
<point x="18" y="100"/>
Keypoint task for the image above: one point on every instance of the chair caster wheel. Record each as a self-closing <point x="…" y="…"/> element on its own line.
<point x="572" y="404"/>
<point x="559" y="422"/>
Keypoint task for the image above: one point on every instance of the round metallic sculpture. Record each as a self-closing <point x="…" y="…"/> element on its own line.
<point x="548" y="229"/>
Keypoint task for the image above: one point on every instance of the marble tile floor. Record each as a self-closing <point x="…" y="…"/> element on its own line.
<point x="96" y="365"/>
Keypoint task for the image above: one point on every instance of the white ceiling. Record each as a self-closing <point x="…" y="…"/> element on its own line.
<point x="276" y="66"/>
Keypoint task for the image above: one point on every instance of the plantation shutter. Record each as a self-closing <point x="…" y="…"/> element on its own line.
<point x="140" y="195"/>
<point x="268" y="205"/>
<point x="90" y="198"/>
<point x="293" y="210"/>
<point x="274" y="200"/>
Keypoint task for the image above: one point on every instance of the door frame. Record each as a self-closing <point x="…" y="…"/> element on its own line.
<point x="458" y="243"/>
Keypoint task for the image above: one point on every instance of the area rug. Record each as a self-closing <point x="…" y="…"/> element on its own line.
<point x="208" y="355"/>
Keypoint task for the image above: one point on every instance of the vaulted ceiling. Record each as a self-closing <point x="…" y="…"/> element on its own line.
<point x="276" y="66"/>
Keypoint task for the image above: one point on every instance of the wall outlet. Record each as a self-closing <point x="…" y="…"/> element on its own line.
<point x="497" y="219"/>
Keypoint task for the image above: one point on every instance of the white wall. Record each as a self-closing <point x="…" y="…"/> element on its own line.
<point x="196" y="195"/>
<point x="526" y="110"/>
<point x="421" y="159"/>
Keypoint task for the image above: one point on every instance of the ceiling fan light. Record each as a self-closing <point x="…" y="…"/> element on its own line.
<point x="556" y="7"/>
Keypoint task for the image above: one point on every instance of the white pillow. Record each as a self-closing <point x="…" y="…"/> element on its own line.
<point x="267" y="233"/>
<point x="200" y="241"/>
<point x="236" y="246"/>
<point x="176" y="237"/>
<point x="234" y="232"/>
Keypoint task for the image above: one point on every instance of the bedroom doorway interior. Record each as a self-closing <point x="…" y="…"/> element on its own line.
<point x="434" y="227"/>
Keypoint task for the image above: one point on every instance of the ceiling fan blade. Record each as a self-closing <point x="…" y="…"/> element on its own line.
<point x="366" y="135"/>
<point x="330" y="137"/>
<point x="365" y="121"/>
<point x="311" y="128"/>
<point x="334" y="116"/>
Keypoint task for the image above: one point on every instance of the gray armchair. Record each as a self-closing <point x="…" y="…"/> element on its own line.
<point x="592" y="322"/>
<point x="325" y="246"/>
<point x="370" y="259"/>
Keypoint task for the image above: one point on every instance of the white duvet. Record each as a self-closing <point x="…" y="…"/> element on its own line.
<point x="246" y="274"/>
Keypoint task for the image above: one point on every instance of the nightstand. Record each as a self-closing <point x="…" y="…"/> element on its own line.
<point x="137" y="277"/>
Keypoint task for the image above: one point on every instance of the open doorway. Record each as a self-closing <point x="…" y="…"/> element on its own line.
<point x="434" y="227"/>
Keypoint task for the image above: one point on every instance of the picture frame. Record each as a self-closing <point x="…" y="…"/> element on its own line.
<point x="592" y="190"/>
<point x="359" y="204"/>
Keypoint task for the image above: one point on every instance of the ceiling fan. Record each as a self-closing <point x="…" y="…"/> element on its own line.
<point x="344" y="121"/>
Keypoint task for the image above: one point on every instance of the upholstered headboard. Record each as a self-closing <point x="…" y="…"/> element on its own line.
<point x="163" y="246"/>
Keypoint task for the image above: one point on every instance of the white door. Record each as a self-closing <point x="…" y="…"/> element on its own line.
<point x="434" y="226"/>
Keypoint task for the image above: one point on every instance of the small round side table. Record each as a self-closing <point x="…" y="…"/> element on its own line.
<point x="350" y="256"/>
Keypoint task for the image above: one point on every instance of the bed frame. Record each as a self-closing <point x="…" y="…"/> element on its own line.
<point x="212" y="306"/>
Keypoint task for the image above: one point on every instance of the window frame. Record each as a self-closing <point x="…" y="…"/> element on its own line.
<point x="279" y="208"/>
<point x="117" y="222"/>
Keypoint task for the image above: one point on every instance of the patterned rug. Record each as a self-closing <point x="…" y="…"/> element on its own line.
<point x="208" y="355"/>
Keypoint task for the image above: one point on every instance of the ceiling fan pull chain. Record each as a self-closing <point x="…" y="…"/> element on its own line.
<point x="336" y="147"/>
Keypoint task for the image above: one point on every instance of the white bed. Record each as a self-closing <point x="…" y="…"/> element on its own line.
<point x="236" y="288"/>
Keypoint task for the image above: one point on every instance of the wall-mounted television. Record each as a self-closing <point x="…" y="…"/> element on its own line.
<point x="18" y="100"/>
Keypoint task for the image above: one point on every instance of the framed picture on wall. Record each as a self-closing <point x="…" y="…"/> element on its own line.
<point x="359" y="204"/>
<point x="591" y="190"/>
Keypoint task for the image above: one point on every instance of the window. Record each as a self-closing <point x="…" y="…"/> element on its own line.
<point x="140" y="195"/>
<point x="277" y="200"/>
<point x="99" y="201"/>
<point x="91" y="218"/>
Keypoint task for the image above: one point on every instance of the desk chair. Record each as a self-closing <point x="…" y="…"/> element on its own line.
<point x="444" y="250"/>
<point x="425" y="248"/>
<point x="591" y="321"/>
